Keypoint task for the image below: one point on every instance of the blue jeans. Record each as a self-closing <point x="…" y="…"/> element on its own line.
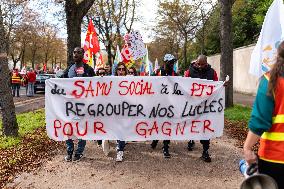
<point x="30" y="89"/>
<point x="70" y="146"/>
<point x="120" y="145"/>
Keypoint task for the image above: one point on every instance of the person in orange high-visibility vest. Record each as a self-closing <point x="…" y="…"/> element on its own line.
<point x="16" y="82"/>
<point x="267" y="123"/>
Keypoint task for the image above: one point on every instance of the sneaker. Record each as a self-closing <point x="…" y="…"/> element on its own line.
<point x="154" y="144"/>
<point x="205" y="156"/>
<point x="77" y="157"/>
<point x="166" y="153"/>
<point x="68" y="158"/>
<point x="190" y="145"/>
<point x="105" y="146"/>
<point x="119" y="156"/>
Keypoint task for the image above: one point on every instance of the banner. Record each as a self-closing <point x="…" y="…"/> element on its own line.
<point x="134" y="108"/>
<point x="134" y="47"/>
<point x="265" y="51"/>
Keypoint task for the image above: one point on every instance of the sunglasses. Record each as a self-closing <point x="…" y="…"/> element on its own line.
<point x="132" y="73"/>
<point x="121" y="69"/>
<point x="79" y="52"/>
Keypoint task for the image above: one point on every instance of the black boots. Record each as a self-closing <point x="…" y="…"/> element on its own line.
<point x="166" y="152"/>
<point x="190" y="145"/>
<point x="205" y="156"/>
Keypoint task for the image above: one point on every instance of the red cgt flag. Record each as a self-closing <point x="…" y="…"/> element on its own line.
<point x="91" y="45"/>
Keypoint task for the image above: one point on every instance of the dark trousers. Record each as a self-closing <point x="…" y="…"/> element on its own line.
<point x="16" y="88"/>
<point x="166" y="143"/>
<point x="80" y="148"/>
<point x="275" y="170"/>
<point x="120" y="145"/>
<point x="205" y="144"/>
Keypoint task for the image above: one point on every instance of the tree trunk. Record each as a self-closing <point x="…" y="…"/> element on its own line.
<point x="226" y="48"/>
<point x="23" y="56"/>
<point x="74" y="15"/>
<point x="9" y="121"/>
<point x="109" y="55"/>
<point x="184" y="50"/>
<point x="33" y="58"/>
<point x="74" y="37"/>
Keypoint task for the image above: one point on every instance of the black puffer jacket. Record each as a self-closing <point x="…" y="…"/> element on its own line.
<point x="206" y="73"/>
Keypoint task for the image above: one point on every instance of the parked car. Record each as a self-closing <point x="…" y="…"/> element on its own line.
<point x="40" y="81"/>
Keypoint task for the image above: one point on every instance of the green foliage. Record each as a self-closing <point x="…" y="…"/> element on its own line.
<point x="261" y="8"/>
<point x="238" y="113"/>
<point x="247" y="20"/>
<point x="28" y="122"/>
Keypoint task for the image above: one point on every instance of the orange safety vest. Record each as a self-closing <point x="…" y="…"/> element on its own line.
<point x="16" y="78"/>
<point x="272" y="142"/>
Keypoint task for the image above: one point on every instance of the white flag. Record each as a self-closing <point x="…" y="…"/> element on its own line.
<point x="149" y="64"/>
<point x="156" y="65"/>
<point x="265" y="51"/>
<point x="118" y="58"/>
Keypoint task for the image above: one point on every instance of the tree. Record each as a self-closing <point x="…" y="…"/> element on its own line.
<point x="12" y="13"/>
<point x="182" y="17"/>
<point x="226" y="47"/>
<point x="74" y="16"/>
<point x="9" y="121"/>
<point x="113" y="19"/>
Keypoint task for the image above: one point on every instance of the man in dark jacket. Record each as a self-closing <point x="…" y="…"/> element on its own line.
<point x="167" y="70"/>
<point x="77" y="69"/>
<point x="201" y="69"/>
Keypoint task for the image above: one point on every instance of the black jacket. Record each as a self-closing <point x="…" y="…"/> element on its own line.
<point x="88" y="71"/>
<point x="206" y="73"/>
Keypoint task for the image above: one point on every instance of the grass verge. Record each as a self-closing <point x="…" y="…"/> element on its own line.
<point x="236" y="123"/>
<point x="28" y="123"/>
<point x="28" y="151"/>
<point x="238" y="113"/>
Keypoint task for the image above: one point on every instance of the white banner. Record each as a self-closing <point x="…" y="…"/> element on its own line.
<point x="134" y="108"/>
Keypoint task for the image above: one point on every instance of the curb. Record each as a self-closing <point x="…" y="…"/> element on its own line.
<point x="29" y="101"/>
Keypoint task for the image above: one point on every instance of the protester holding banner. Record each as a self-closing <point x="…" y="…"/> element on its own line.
<point x="77" y="69"/>
<point x="267" y="123"/>
<point x="167" y="70"/>
<point x="121" y="70"/>
<point x="201" y="69"/>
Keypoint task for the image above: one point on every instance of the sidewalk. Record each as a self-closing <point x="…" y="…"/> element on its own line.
<point x="243" y="99"/>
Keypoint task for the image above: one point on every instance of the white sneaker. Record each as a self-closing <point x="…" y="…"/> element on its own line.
<point x="105" y="146"/>
<point x="119" y="156"/>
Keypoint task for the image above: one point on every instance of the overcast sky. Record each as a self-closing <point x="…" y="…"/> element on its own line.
<point x="147" y="11"/>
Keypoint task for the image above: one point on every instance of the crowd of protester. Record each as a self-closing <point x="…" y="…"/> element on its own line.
<point x="26" y="79"/>
<point x="266" y="119"/>
<point x="198" y="69"/>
